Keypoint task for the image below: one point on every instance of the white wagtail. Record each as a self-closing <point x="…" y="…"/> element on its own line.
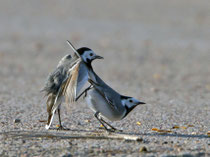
<point x="107" y="103"/>
<point x="67" y="80"/>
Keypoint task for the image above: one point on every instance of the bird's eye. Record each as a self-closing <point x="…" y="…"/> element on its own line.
<point x="91" y="54"/>
<point x="130" y="101"/>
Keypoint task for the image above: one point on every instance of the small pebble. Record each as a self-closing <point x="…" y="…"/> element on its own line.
<point x="143" y="149"/>
<point x="87" y="121"/>
<point x="138" y="123"/>
<point x="194" y="133"/>
<point x="165" y="142"/>
<point x="17" y="120"/>
<point x="139" y="140"/>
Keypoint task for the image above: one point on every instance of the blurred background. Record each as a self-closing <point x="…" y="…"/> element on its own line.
<point x="156" y="51"/>
<point x="143" y="42"/>
<point x="153" y="50"/>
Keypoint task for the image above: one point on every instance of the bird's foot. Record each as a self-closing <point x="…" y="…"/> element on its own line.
<point x="114" y="130"/>
<point x="111" y="129"/>
<point x="60" y="127"/>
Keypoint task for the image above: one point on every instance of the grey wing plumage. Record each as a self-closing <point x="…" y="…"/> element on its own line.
<point x="67" y="87"/>
<point x="59" y="97"/>
<point x="54" y="81"/>
<point x="78" y="76"/>
<point x="56" y="84"/>
<point x="70" y="88"/>
<point x="82" y="77"/>
<point x="107" y="93"/>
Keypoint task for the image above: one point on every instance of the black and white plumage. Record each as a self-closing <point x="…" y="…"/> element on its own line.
<point x="67" y="80"/>
<point x="107" y="103"/>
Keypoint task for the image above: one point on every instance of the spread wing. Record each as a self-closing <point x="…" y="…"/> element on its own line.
<point x="68" y="86"/>
<point x="70" y="89"/>
<point x="59" y="96"/>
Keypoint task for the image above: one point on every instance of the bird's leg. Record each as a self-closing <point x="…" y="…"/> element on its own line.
<point x="59" y="118"/>
<point x="113" y="128"/>
<point x="84" y="92"/>
<point x="102" y="122"/>
<point x="93" y="83"/>
<point x="96" y="115"/>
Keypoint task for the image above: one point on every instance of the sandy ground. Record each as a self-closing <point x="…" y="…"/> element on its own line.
<point x="156" y="51"/>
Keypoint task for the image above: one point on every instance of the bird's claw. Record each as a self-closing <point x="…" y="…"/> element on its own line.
<point x="115" y="130"/>
<point x="61" y="128"/>
<point x="112" y="130"/>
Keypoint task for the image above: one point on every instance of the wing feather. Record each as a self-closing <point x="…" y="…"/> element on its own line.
<point x="103" y="94"/>
<point x="70" y="89"/>
<point x="59" y="97"/>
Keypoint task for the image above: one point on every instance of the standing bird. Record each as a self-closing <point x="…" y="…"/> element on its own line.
<point x="107" y="103"/>
<point x="67" y="80"/>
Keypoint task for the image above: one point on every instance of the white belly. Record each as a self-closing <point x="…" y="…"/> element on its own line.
<point x="98" y="104"/>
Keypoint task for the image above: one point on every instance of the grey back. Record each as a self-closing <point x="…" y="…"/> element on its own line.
<point x="112" y="97"/>
<point x="56" y="78"/>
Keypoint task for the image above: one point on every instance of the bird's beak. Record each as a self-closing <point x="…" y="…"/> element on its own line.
<point x="98" y="57"/>
<point x="140" y="103"/>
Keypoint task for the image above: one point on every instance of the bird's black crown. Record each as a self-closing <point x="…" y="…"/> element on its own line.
<point x="82" y="50"/>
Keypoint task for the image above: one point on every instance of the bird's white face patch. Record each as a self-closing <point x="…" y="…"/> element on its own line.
<point x="88" y="56"/>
